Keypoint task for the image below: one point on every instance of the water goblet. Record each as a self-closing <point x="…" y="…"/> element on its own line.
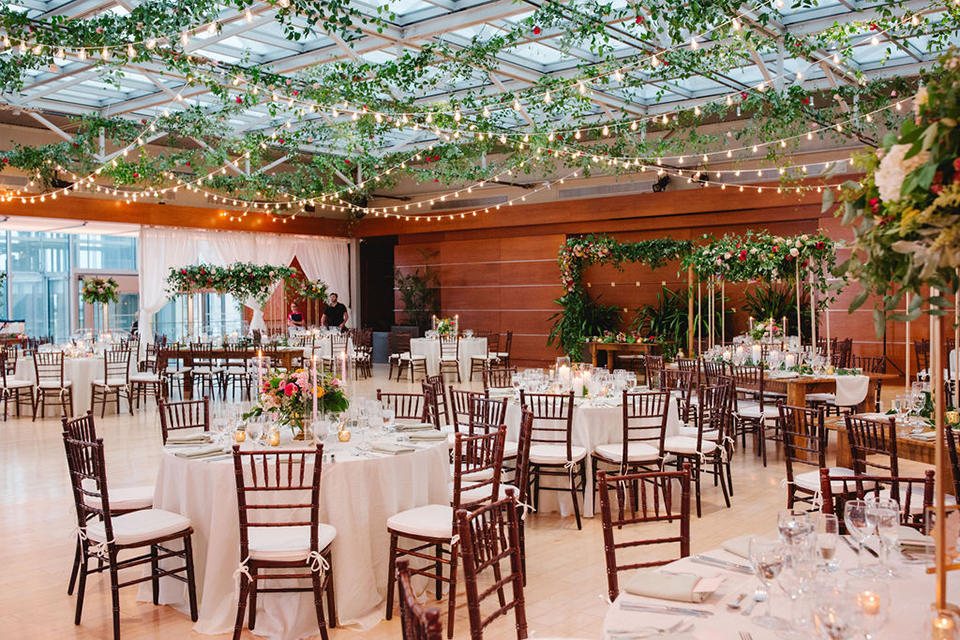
<point x="834" y="615"/>
<point x="767" y="558"/>
<point x="884" y="515"/>
<point x="828" y="534"/>
<point x="793" y="525"/>
<point x="855" y="517"/>
<point x="794" y="580"/>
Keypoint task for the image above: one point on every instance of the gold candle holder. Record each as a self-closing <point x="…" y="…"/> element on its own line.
<point x="343" y="435"/>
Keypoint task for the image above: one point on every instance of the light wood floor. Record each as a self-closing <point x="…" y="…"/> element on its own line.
<point x="566" y="586"/>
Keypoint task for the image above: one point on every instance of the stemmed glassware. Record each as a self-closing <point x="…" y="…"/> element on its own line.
<point x="767" y="558"/>
<point x="828" y="534"/>
<point x="871" y="599"/>
<point x="795" y="578"/>
<point x="855" y="517"/>
<point x="835" y="616"/>
<point x="883" y="514"/>
<point x="794" y="526"/>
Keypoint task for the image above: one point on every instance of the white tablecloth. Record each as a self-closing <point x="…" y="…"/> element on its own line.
<point x="911" y="598"/>
<point x="592" y="426"/>
<point x="322" y="346"/>
<point x="80" y="371"/>
<point x="430" y="348"/>
<point x="358" y="494"/>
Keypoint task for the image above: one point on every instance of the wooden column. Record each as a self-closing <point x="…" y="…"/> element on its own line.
<point x="690" y="317"/>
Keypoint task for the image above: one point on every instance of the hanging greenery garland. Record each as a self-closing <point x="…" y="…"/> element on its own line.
<point x="307" y="289"/>
<point x="244" y="281"/>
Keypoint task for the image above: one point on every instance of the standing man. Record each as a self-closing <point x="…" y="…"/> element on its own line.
<point x="335" y="314"/>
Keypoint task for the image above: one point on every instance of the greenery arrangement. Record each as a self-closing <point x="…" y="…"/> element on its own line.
<point x="420" y="293"/>
<point x="307" y="289"/>
<point x="99" y="290"/>
<point x="668" y="319"/>
<point x="446" y="327"/>
<point x="244" y="281"/>
<point x="905" y="212"/>
<point x="289" y="397"/>
<point x="771" y="301"/>
<point x="390" y="97"/>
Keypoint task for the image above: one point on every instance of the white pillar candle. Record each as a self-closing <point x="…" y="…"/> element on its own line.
<point x="756" y="353"/>
<point x="790" y="360"/>
<point x="563" y="374"/>
<point x="259" y="371"/>
<point x="313" y="371"/>
<point x="727" y="355"/>
<point x="578" y="386"/>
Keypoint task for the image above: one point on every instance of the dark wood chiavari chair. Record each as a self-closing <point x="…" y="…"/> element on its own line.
<point x="397" y="348"/>
<point x="705" y="451"/>
<point x="236" y="371"/>
<point x="503" y="356"/>
<point x="692" y="365"/>
<point x="405" y="406"/>
<point x="836" y="487"/>
<point x="651" y="365"/>
<point x="115" y="382"/>
<point x="416" y="621"/>
<point x="205" y="370"/>
<point x="363" y="353"/>
<point x="186" y="414"/>
<point x="460" y="407"/>
<point x="450" y="354"/>
<point x="490" y="537"/>
<point x="921" y="349"/>
<point x="680" y="385"/>
<point x="277" y="536"/>
<point x="660" y="506"/>
<point x="871" y="364"/>
<point x="712" y="370"/>
<point x="805" y="446"/>
<point x="51" y="382"/>
<point x="498" y="378"/>
<point x="175" y="370"/>
<point x="521" y="479"/>
<point x="873" y="443"/>
<point x="440" y="390"/>
<point x="477" y="461"/>
<point x="753" y="411"/>
<point x="104" y="534"/>
<point x="150" y="376"/>
<point x="644" y="429"/>
<point x="21" y="391"/>
<point x="431" y="405"/>
<point x="486" y="415"/>
<point x="479" y="362"/>
<point x="406" y="359"/>
<point x="552" y="452"/>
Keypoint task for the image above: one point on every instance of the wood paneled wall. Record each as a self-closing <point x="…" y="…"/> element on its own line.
<point x="501" y="273"/>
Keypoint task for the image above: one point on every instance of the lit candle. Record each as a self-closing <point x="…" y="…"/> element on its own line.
<point x="756" y="353"/>
<point x="784" y="325"/>
<point x="944" y="628"/>
<point x="869" y="602"/>
<point x="433" y="323"/>
<point x="313" y="371"/>
<point x="259" y="371"/>
<point x="727" y="355"/>
<point x="578" y="386"/>
<point x="456" y="324"/>
<point x="789" y="360"/>
<point x="751" y="323"/>
<point x="343" y="366"/>
<point x="563" y="374"/>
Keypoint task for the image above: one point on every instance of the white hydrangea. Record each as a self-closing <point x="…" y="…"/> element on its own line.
<point x="894" y="169"/>
<point x="920" y="99"/>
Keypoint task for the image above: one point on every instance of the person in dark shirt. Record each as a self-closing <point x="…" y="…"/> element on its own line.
<point x="335" y="315"/>
<point x="295" y="319"/>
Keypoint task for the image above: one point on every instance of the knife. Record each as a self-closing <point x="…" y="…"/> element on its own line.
<point x="716" y="562"/>
<point x="855" y="548"/>
<point x="659" y="608"/>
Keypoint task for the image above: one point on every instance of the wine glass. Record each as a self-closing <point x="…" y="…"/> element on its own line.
<point x="767" y="558"/>
<point x="855" y="517"/>
<point x="828" y="534"/>
<point x="884" y="516"/>
<point x="834" y="615"/>
<point x="254" y="430"/>
<point x="793" y="525"/>
<point x="794" y="580"/>
<point x="871" y="599"/>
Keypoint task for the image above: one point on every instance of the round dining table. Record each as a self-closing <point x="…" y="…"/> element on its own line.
<point x="430" y="348"/>
<point x="80" y="372"/>
<point x="595" y="422"/>
<point x="911" y="595"/>
<point x="359" y="491"/>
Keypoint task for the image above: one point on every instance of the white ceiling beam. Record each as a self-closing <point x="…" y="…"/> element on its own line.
<point x="49" y="125"/>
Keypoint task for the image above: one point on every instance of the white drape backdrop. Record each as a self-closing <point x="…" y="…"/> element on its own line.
<point x="164" y="248"/>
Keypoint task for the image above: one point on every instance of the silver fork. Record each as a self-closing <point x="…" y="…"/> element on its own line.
<point x="744" y="635"/>
<point x="758" y="596"/>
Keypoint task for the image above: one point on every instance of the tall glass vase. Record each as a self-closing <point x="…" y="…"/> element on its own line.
<point x="106" y="318"/>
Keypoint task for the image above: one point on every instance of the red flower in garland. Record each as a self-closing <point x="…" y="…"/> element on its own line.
<point x="536" y="31"/>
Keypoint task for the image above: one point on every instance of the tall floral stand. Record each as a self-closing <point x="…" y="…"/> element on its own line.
<point x="105" y="321"/>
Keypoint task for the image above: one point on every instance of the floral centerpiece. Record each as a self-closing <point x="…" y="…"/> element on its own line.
<point x="308" y="289"/>
<point x="905" y="212"/>
<point x="446" y="327"/>
<point x="763" y="330"/>
<point x="100" y="290"/>
<point x="621" y="337"/>
<point x="288" y="397"/>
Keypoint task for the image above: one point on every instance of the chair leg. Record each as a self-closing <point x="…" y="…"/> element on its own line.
<point x="241" y="606"/>
<point x="697" y="481"/>
<point x="452" y="602"/>
<point x="318" y="602"/>
<point x="76" y="568"/>
<point x="332" y="622"/>
<point x="155" y="574"/>
<point x="252" y="616"/>
<point x="191" y="577"/>
<point x="391" y="577"/>
<point x="573" y="493"/>
<point x="82" y="584"/>
<point x="439" y="568"/>
<point x="115" y="594"/>
<point x="718" y="471"/>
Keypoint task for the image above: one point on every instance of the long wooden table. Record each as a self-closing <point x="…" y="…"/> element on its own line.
<point x="796" y="389"/>
<point x="284" y="356"/>
<point x="612" y="349"/>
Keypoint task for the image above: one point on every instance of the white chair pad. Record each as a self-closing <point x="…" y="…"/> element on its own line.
<point x="555" y="454"/>
<point x="144" y="377"/>
<point x="49" y="384"/>
<point x="489" y="356"/>
<point x="510" y="449"/>
<point x="286" y="544"/>
<point x="206" y="371"/>
<point x="178" y="370"/>
<point x="811" y="480"/>
<point x="821" y="397"/>
<point x="751" y="410"/>
<point x="691" y="432"/>
<point x="430" y="521"/>
<point x="13" y="383"/>
<point x="687" y="445"/>
<point x="483" y="474"/>
<point x="916" y="498"/>
<point x="503" y="354"/>
<point x="415" y="356"/>
<point x="112" y="382"/>
<point x="127" y="499"/>
<point x="636" y="452"/>
<point x="140" y="526"/>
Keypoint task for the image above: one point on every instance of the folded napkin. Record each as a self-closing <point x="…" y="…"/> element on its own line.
<point x="682" y="588"/>
<point x="432" y="434"/>
<point x="193" y="438"/>
<point x="413" y="426"/>
<point x="391" y="448"/>
<point x="851" y="390"/>
<point x="738" y="546"/>
<point x="926" y="436"/>
<point x="201" y="452"/>
<point x="874" y="416"/>
<point x="912" y="539"/>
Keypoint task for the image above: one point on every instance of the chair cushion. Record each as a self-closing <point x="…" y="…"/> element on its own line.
<point x="140" y="526"/>
<point x="145" y="376"/>
<point x="112" y="382"/>
<point x="174" y="370"/>
<point x="821" y="397"/>
<point x="286" y="544"/>
<point x="489" y="356"/>
<point x="691" y="432"/>
<point x="636" y="452"/>
<point x="483" y="474"/>
<point x="128" y="499"/>
<point x="752" y="410"/>
<point x="916" y="498"/>
<point x="555" y="454"/>
<point x="13" y="383"/>
<point x="811" y="480"/>
<point x="430" y="521"/>
<point x="49" y="384"/>
<point x="687" y="445"/>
